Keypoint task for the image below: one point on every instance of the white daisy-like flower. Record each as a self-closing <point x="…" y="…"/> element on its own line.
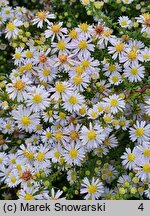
<point x="74" y="153"/>
<point x="115" y="78"/>
<point x="42" y="157"/>
<point x="111" y="68"/>
<point x="61" y="46"/>
<point x="47" y="74"/>
<point x="145" y="20"/>
<point x="130" y="56"/>
<point x="54" y="195"/>
<point x="94" y="189"/>
<point x="143" y="168"/>
<point x="19" y="88"/>
<point x="12" y="28"/>
<point x="140" y="132"/>
<point x="28" y="193"/>
<point x="18" y="56"/>
<point x="144" y="55"/>
<point x="85" y="30"/>
<point x="13" y="179"/>
<point x="61" y="89"/>
<point x="92" y="136"/>
<point x="38" y="99"/>
<point x="129" y="158"/>
<point x="117" y="49"/>
<point x="134" y="72"/>
<point x="82" y="47"/>
<point x="115" y="102"/>
<point x="25" y="119"/>
<point x="125" y="22"/>
<point x="127" y="1"/>
<point x="56" y="153"/>
<point x="46" y="136"/>
<point x="41" y="17"/>
<point x="64" y="61"/>
<point x="55" y="30"/>
<point x="73" y="102"/>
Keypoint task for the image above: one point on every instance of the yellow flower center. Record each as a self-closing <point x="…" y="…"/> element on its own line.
<point x="100" y="108"/>
<point x="73" y="175"/>
<point x="112" y="68"/>
<point x="82" y="44"/>
<point x="58" y="135"/>
<point x="63" y="58"/>
<point x="73" y="34"/>
<point x="146" y="168"/>
<point x="119" y="47"/>
<point x="132" y="55"/>
<point x="29" y="54"/>
<point x="73" y="153"/>
<point x="28" y="67"/>
<point x="114" y="102"/>
<point x="17" y="55"/>
<point x="18" y="167"/>
<point x="46" y="72"/>
<point x="56" y="28"/>
<point x="37" y="98"/>
<point x="91" y="134"/>
<point x="40" y="156"/>
<point x="79" y="70"/>
<point x="48" y="134"/>
<point x="115" y="79"/>
<point x="8" y="126"/>
<point x="107" y="118"/>
<point x="62" y="115"/>
<point x="146" y="56"/>
<point x="134" y="71"/>
<point x="122" y="123"/>
<point x="139" y="132"/>
<point x="73" y="135"/>
<point x="25" y="120"/>
<point x="107" y="33"/>
<point x="10" y="26"/>
<point x="82" y="111"/>
<point x="92" y="189"/>
<point x="28" y="196"/>
<point x="49" y="113"/>
<point x="94" y="114"/>
<point x="13" y="179"/>
<point x="85" y="64"/>
<point x="41" y="15"/>
<point x="84" y="27"/>
<point x="131" y="157"/>
<point x="107" y="142"/>
<point x="29" y="155"/>
<point x="13" y="161"/>
<point x="123" y="22"/>
<point x="73" y="100"/>
<point x="60" y="87"/>
<point x="61" y="45"/>
<point x="57" y="155"/>
<point x="19" y="85"/>
<point x="146" y="152"/>
<point x="77" y="80"/>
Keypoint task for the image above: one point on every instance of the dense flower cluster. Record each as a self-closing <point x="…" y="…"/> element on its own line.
<point x="74" y="109"/>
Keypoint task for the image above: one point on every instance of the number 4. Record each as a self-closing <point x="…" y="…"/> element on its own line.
<point x="141" y="207"/>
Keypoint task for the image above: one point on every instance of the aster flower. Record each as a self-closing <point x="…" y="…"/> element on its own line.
<point x="94" y="189"/>
<point x="12" y="28"/>
<point x="140" y="132"/>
